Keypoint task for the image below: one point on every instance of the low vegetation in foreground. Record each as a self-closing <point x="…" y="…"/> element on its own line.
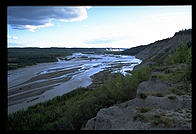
<point x="178" y="67"/>
<point x="72" y="111"/>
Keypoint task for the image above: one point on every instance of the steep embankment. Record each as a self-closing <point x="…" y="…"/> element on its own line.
<point x="157" y="51"/>
<point x="162" y="102"/>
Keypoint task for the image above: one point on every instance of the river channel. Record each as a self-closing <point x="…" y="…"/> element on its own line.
<point x="34" y="84"/>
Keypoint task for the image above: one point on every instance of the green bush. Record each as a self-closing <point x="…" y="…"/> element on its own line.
<point x="182" y="54"/>
<point x="188" y="72"/>
<point x="142" y="74"/>
<point x="140" y="117"/>
<point x="177" y="91"/>
<point x="143" y="109"/>
<point x="172" y="97"/>
<point x="143" y="95"/>
<point x="172" y="77"/>
<point x="169" y="59"/>
<point x="160" y="119"/>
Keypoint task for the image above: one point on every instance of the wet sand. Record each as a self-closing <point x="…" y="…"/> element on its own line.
<point x="38" y="81"/>
<point x="37" y="85"/>
<point x="35" y="90"/>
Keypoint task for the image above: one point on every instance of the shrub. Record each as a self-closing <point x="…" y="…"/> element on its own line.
<point x="158" y="94"/>
<point x="140" y="117"/>
<point x="182" y="54"/>
<point x="142" y="74"/>
<point x="172" y="77"/>
<point x="143" y="109"/>
<point x="159" y="119"/>
<point x="188" y="72"/>
<point x="169" y="59"/>
<point x="177" y="91"/>
<point x="172" y="97"/>
<point x="143" y="95"/>
<point x="153" y="93"/>
<point x="167" y="71"/>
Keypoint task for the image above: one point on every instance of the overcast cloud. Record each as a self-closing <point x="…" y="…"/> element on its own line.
<point x="28" y="17"/>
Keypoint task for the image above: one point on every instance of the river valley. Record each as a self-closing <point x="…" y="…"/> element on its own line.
<point x="34" y="84"/>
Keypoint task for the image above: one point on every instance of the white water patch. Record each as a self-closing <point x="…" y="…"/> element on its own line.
<point x="124" y="70"/>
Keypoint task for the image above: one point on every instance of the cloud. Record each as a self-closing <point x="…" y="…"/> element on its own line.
<point x="12" y="37"/>
<point x="14" y="41"/>
<point x="29" y="17"/>
<point x="108" y="38"/>
<point x="32" y="28"/>
<point x="88" y="7"/>
<point x="15" y="37"/>
<point x="100" y="41"/>
<point x="16" y="45"/>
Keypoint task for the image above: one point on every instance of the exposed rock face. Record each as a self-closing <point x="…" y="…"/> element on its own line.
<point x="170" y="111"/>
<point x="151" y="86"/>
<point x="122" y="116"/>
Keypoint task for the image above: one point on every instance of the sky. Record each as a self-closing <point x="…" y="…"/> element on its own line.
<point x="94" y="26"/>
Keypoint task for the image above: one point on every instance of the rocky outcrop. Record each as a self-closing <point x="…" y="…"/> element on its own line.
<point x="171" y="114"/>
<point x="153" y="86"/>
<point x="154" y="108"/>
